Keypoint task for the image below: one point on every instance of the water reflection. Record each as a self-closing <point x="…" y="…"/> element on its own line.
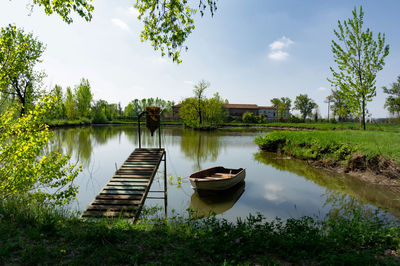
<point x="274" y="186"/>
<point x="342" y="192"/>
<point x="200" y="146"/>
<point x="205" y="205"/>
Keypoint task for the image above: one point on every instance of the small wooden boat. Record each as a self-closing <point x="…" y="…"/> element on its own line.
<point x="217" y="178"/>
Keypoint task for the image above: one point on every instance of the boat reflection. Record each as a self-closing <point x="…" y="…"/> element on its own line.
<point x="212" y="202"/>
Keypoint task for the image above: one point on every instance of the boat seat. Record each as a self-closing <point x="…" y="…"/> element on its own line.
<point x="222" y="175"/>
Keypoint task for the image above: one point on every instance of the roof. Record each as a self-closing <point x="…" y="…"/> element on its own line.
<point x="267" y="107"/>
<point x="241" y="106"/>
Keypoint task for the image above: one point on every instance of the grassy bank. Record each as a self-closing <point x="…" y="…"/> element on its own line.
<point x="370" y="149"/>
<point x="34" y="234"/>
<point x="321" y="126"/>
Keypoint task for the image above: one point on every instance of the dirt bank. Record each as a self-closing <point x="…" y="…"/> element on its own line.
<point x="375" y="170"/>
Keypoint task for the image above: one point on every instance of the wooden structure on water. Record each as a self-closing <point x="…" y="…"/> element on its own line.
<point x="125" y="194"/>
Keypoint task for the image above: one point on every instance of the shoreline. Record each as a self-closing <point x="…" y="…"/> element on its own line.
<point x="338" y="152"/>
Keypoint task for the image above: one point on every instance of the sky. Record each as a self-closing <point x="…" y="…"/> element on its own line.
<point x="250" y="51"/>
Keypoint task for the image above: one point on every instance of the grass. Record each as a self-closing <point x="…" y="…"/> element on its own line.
<point x="36" y="234"/>
<point x="337" y="144"/>
<point x="324" y="126"/>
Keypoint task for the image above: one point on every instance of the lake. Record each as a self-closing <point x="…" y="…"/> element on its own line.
<point x="275" y="186"/>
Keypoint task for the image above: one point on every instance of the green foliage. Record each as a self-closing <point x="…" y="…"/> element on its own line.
<point x="282" y="106"/>
<point x="19" y="54"/>
<point x="354" y="239"/>
<point x="58" y="111"/>
<point x="136" y="106"/>
<point x="199" y="111"/>
<point x="215" y="110"/>
<point x="64" y="8"/>
<point x="358" y="59"/>
<point x="70" y="105"/>
<point x="84" y="98"/>
<point x="340" y="105"/>
<point x="393" y="100"/>
<point x="99" y="111"/>
<point x="200" y="99"/>
<point x="249" y="117"/>
<point x="168" y="23"/>
<point x="188" y="112"/>
<point x="339" y="145"/>
<point x="305" y="105"/>
<point x="26" y="165"/>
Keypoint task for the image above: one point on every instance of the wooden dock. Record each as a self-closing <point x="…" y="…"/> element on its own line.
<point x="124" y="195"/>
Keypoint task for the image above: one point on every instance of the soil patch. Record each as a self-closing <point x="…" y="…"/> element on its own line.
<point x="376" y="170"/>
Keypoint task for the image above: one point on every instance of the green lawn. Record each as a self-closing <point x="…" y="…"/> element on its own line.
<point x="384" y="143"/>
<point x="325" y="126"/>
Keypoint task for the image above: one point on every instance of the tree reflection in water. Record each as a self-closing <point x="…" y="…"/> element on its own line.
<point x="343" y="193"/>
<point x="200" y="146"/>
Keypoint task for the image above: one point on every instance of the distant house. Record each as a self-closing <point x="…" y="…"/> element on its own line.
<point x="237" y="111"/>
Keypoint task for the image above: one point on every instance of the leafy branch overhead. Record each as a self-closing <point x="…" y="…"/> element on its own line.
<point x="168" y="23"/>
<point x="64" y="8"/>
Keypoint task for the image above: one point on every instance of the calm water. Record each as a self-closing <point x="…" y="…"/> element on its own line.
<point x="274" y="186"/>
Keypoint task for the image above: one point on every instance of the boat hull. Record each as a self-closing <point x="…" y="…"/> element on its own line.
<point x="202" y="180"/>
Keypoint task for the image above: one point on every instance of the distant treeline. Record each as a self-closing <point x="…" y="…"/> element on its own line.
<point x="78" y="104"/>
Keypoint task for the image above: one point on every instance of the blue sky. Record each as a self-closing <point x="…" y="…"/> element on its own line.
<point x="251" y="51"/>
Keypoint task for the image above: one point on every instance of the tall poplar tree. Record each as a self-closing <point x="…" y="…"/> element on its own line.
<point x="359" y="57"/>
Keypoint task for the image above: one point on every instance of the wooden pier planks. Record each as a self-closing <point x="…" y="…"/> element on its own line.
<point x="126" y="192"/>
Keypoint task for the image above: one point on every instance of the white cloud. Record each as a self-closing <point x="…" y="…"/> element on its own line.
<point x="278" y="49"/>
<point x="272" y="192"/>
<point x="273" y="187"/>
<point x="120" y="24"/>
<point x="281" y="44"/>
<point x="278" y="55"/>
<point x="322" y="89"/>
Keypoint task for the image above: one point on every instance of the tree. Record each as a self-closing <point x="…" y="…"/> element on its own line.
<point x="99" y="111"/>
<point x="328" y="100"/>
<point x="340" y="106"/>
<point x="84" y="98"/>
<point x="168" y="23"/>
<point x="70" y="104"/>
<point x="199" y="95"/>
<point x="188" y="112"/>
<point x="249" y="117"/>
<point x="282" y="105"/>
<point x="26" y="164"/>
<point x="305" y="105"/>
<point x="393" y="100"/>
<point x="215" y="110"/>
<point x="58" y="110"/>
<point x="199" y="111"/>
<point x="19" y="53"/>
<point x="64" y="7"/>
<point x="359" y="59"/>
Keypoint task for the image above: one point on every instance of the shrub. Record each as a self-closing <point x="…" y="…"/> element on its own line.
<point x="26" y="165"/>
<point x="249" y="118"/>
